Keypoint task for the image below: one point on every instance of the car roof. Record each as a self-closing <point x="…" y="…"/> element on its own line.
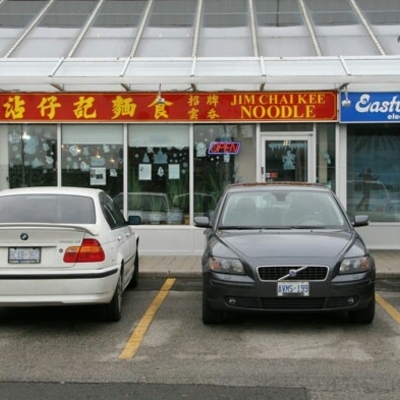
<point x="146" y="193"/>
<point x="196" y="194"/>
<point x="377" y="181"/>
<point x="142" y="194"/>
<point x="80" y="191"/>
<point x="276" y="185"/>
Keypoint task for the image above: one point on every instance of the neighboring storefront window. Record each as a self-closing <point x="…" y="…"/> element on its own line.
<point x="223" y="154"/>
<point x="32" y="155"/>
<point x="373" y="171"/>
<point x="158" y="173"/>
<point x="326" y="155"/>
<point x="92" y="156"/>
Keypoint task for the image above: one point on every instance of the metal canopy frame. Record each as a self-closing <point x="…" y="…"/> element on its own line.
<point x="133" y="73"/>
<point x="196" y="73"/>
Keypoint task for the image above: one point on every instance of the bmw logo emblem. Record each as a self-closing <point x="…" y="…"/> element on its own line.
<point x="292" y="273"/>
<point x="24" y="236"/>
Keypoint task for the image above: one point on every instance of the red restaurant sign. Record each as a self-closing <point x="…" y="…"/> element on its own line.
<point x="173" y="107"/>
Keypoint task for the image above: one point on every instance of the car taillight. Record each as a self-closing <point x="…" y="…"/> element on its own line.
<point x="90" y="250"/>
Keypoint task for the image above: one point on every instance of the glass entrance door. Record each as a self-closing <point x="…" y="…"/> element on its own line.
<point x="286" y="158"/>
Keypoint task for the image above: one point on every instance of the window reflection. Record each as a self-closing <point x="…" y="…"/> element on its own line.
<point x="286" y="160"/>
<point x="158" y="174"/>
<point x="32" y="155"/>
<point x="213" y="172"/>
<point x="373" y="172"/>
<point x="92" y="156"/>
<point x="326" y="155"/>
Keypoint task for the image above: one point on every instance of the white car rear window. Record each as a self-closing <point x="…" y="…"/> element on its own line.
<point x="47" y="208"/>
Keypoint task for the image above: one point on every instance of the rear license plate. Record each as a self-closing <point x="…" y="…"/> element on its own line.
<point x="24" y="255"/>
<point x="293" y="289"/>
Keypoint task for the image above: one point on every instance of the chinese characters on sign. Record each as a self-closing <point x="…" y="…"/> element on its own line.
<point x="174" y="107"/>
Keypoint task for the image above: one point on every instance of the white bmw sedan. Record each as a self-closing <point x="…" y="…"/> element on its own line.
<point x="65" y="246"/>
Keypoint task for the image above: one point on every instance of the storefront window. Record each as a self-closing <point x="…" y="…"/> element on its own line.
<point x="223" y="154"/>
<point x="31" y="154"/>
<point x="158" y="173"/>
<point x="373" y="171"/>
<point x="326" y="155"/>
<point x="92" y="156"/>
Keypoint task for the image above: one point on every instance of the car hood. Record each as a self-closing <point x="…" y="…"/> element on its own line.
<point x="289" y="245"/>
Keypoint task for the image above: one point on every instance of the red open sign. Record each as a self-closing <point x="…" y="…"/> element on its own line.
<point x="224" y="148"/>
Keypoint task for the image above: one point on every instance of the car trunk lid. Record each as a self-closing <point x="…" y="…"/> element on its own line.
<point x="38" y="245"/>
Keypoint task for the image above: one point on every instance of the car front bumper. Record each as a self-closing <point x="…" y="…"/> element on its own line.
<point x="36" y="288"/>
<point x="240" y="293"/>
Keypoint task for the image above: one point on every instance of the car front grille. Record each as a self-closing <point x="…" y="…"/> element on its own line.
<point x="293" y="272"/>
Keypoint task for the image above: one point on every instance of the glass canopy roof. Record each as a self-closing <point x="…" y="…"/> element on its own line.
<point x="213" y="45"/>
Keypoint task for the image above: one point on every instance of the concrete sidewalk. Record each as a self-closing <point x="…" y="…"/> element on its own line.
<point x="387" y="265"/>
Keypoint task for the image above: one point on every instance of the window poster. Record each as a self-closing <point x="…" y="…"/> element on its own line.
<point x="173" y="171"/>
<point x="97" y="176"/>
<point x="144" y="172"/>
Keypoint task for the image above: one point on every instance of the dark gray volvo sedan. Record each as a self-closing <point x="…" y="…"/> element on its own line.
<point x="285" y="247"/>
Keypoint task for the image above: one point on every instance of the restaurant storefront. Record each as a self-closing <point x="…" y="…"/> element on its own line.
<point x="162" y="103"/>
<point x="167" y="157"/>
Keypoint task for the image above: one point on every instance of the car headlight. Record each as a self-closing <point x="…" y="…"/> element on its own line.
<point x="226" y="266"/>
<point x="355" y="265"/>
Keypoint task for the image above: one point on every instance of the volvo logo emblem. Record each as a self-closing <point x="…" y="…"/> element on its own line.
<point x="292" y="273"/>
<point x="24" y="236"/>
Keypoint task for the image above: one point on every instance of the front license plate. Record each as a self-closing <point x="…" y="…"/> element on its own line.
<point x="24" y="255"/>
<point x="293" y="289"/>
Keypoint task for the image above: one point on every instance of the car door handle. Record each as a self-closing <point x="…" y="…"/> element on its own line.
<point x="119" y="238"/>
<point x="127" y="234"/>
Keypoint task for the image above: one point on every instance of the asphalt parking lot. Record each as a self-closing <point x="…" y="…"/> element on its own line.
<point x="285" y="356"/>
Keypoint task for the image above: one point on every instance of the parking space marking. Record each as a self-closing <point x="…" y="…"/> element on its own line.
<point x="392" y="311"/>
<point x="137" y="336"/>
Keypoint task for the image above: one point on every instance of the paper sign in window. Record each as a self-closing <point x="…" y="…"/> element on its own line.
<point x="144" y="172"/>
<point x="174" y="171"/>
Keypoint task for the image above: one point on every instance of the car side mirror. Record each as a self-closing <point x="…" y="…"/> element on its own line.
<point x="134" y="220"/>
<point x="360" y="220"/>
<point x="202" y="222"/>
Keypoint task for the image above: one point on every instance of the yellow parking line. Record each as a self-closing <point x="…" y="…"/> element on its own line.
<point x="137" y="336"/>
<point x="388" y="308"/>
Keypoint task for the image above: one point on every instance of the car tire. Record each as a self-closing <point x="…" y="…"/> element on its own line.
<point x="113" y="310"/>
<point x="135" y="277"/>
<point x="211" y="316"/>
<point x="365" y="316"/>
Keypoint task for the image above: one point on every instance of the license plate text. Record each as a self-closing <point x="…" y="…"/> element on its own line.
<point x="293" y="288"/>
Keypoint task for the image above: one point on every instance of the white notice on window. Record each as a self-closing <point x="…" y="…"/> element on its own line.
<point x="144" y="172"/>
<point x="174" y="171"/>
<point x="97" y="176"/>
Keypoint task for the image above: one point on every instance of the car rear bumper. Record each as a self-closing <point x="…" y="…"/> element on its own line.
<point x="36" y="288"/>
<point x="262" y="296"/>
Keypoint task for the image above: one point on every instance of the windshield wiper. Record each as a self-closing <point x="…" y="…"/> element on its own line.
<point x="308" y="227"/>
<point x="232" y="227"/>
<point x="254" y="228"/>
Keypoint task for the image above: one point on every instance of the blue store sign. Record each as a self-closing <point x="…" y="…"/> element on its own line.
<point x="370" y="107"/>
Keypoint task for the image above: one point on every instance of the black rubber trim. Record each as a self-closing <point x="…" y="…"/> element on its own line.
<point x="89" y="275"/>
